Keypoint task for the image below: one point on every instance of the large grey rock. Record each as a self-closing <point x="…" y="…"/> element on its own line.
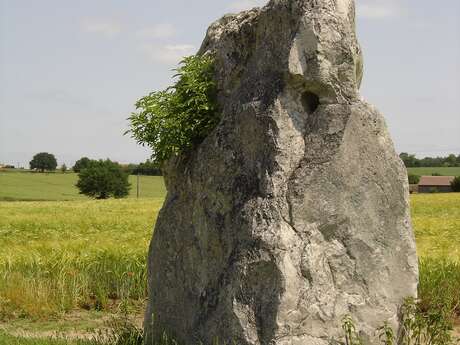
<point x="294" y="211"/>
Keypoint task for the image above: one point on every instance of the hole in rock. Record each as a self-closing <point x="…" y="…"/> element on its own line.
<point x="310" y="102"/>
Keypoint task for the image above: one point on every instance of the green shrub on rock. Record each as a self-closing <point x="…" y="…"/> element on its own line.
<point x="175" y="120"/>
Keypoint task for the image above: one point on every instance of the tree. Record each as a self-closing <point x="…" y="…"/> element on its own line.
<point x="63" y="168"/>
<point x="103" y="179"/>
<point x="455" y="184"/>
<point x="409" y="160"/>
<point x="413" y="179"/>
<point x="128" y="168"/>
<point x="451" y="160"/>
<point x="43" y="161"/>
<point x="81" y="164"/>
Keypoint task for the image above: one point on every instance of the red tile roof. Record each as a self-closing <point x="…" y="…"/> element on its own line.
<point x="435" y="180"/>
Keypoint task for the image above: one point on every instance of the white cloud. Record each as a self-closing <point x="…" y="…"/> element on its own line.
<point x="169" y="54"/>
<point x="371" y="11"/>
<point x="241" y="5"/>
<point x="157" y="31"/>
<point x="377" y="9"/>
<point x="103" y="26"/>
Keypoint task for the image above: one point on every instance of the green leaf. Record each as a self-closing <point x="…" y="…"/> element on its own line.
<point x="180" y="117"/>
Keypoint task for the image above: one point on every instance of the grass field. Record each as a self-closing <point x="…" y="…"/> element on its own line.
<point x="436" y="221"/>
<point x="6" y="339"/>
<point x="29" y="186"/>
<point x="445" y="171"/>
<point x="59" y="257"/>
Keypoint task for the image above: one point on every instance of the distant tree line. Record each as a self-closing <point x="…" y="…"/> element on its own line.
<point x="45" y="161"/>
<point x="410" y="161"/>
<point x="147" y="168"/>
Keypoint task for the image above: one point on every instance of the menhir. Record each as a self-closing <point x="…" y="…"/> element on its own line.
<point x="294" y="211"/>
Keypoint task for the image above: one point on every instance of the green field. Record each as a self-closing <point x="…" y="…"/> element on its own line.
<point x="445" y="171"/>
<point x="31" y="186"/>
<point x="436" y="222"/>
<point x="80" y="256"/>
<point x="6" y="339"/>
<point x="60" y="255"/>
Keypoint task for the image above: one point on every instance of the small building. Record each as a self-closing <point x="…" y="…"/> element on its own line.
<point x="435" y="184"/>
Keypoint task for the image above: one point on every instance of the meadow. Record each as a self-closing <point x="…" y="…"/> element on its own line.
<point x="6" y="339"/>
<point x="57" y="256"/>
<point x="444" y="171"/>
<point x="436" y="222"/>
<point x="87" y="257"/>
<point x="31" y="186"/>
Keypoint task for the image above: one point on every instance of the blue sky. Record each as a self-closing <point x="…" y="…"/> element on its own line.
<point x="71" y="71"/>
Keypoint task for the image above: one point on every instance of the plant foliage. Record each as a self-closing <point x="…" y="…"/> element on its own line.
<point x="102" y="179"/>
<point x="43" y="161"/>
<point x="349" y="329"/>
<point x="175" y="120"/>
<point x="455" y="184"/>
<point x="81" y="164"/>
<point x="411" y="161"/>
<point x="413" y="179"/>
<point x="147" y="168"/>
<point x="418" y="328"/>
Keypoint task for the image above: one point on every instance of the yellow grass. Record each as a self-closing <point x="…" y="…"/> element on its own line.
<point x="60" y="255"/>
<point x="56" y="256"/>
<point x="436" y="222"/>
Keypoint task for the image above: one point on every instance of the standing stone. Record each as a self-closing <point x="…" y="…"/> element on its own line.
<point x="294" y="211"/>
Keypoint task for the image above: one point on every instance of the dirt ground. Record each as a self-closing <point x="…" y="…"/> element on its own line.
<point x="86" y="324"/>
<point x="456" y="332"/>
<point x="74" y="325"/>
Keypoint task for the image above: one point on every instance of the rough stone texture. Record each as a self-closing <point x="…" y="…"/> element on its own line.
<point x="294" y="211"/>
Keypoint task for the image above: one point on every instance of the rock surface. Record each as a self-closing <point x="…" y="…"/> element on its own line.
<point x="294" y="211"/>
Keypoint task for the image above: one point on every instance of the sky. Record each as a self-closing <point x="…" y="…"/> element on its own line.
<point x="71" y="71"/>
